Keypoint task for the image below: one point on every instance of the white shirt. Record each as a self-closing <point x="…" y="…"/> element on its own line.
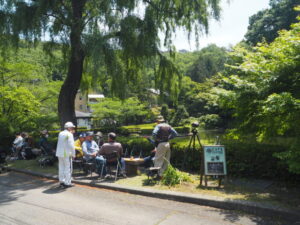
<point x="65" y="144"/>
<point x="18" y="142"/>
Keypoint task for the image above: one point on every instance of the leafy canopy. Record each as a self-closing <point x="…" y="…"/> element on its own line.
<point x="115" y="35"/>
<point x="265" y="24"/>
<point x="265" y="92"/>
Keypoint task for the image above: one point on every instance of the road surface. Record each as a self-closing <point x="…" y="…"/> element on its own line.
<point x="27" y="200"/>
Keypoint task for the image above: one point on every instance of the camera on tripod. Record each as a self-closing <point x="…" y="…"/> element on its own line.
<point x="195" y="124"/>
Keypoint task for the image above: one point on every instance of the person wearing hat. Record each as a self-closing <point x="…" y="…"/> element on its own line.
<point x="162" y="133"/>
<point x="78" y="145"/>
<point x="109" y="148"/>
<point x="99" y="138"/>
<point x="89" y="147"/>
<point x="65" y="151"/>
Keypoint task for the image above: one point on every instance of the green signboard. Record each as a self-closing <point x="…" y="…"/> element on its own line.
<point x="214" y="160"/>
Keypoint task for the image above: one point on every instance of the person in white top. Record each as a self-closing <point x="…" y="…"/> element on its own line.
<point x="17" y="144"/>
<point x="65" y="151"/>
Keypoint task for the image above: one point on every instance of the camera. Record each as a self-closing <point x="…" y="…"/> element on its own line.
<point x="195" y="124"/>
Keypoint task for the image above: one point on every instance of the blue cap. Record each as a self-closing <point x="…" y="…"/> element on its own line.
<point x="82" y="135"/>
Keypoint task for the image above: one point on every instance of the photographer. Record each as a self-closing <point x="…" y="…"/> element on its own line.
<point x="162" y="133"/>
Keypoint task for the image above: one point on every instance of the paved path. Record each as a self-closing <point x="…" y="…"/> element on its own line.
<point x="28" y="200"/>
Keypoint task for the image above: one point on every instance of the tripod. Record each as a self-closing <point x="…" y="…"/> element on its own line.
<point x="192" y="146"/>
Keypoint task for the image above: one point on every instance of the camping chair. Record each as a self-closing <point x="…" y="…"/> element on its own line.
<point x="112" y="161"/>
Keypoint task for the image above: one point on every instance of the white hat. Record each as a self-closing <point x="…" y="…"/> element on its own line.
<point x="69" y="125"/>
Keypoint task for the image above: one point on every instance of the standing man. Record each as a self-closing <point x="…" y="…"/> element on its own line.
<point x="162" y="133"/>
<point x="65" y="151"/>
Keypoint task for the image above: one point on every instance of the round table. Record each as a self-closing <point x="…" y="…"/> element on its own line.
<point x="132" y="165"/>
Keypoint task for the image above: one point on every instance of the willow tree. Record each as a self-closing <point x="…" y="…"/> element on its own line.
<point x="118" y="35"/>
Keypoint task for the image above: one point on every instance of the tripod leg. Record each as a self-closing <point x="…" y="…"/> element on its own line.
<point x="186" y="152"/>
<point x="198" y="138"/>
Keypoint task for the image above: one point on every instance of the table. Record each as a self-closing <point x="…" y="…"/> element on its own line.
<point x="132" y="165"/>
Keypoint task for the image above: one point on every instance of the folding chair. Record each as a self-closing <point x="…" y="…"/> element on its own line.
<point x="78" y="162"/>
<point x="89" y="167"/>
<point x="112" y="160"/>
<point x="153" y="173"/>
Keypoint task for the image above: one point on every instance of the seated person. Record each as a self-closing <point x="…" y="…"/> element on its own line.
<point x="89" y="147"/>
<point x="78" y="145"/>
<point x="149" y="160"/>
<point x="44" y="143"/>
<point x="99" y="138"/>
<point x="17" y="144"/>
<point x="113" y="146"/>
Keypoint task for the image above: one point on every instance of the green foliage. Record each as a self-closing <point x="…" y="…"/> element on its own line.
<point x="18" y="109"/>
<point x="165" y="111"/>
<point x="265" y="24"/>
<point x="264" y="92"/>
<point x="211" y="60"/>
<point x="179" y="115"/>
<point x="107" y="42"/>
<point x="110" y="111"/>
<point x="210" y="121"/>
<point x="172" y="177"/>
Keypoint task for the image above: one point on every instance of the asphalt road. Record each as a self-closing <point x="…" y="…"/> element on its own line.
<point x="29" y="200"/>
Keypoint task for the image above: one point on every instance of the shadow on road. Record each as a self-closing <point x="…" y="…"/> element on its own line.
<point x="12" y="184"/>
<point x="234" y="216"/>
<point x="54" y="190"/>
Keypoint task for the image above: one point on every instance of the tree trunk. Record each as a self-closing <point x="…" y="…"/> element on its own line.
<point x="66" y="106"/>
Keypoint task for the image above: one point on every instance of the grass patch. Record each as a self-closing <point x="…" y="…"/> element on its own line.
<point x="33" y="165"/>
<point x="228" y="191"/>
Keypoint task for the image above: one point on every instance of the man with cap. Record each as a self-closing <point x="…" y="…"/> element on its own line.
<point x="113" y="146"/>
<point x="89" y="147"/>
<point x="65" y="151"/>
<point x="162" y="133"/>
<point x="99" y="139"/>
<point x="78" y="145"/>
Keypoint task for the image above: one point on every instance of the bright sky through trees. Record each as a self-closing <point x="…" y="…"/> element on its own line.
<point x="229" y="30"/>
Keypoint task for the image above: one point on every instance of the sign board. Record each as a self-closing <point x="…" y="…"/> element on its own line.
<point x="214" y="160"/>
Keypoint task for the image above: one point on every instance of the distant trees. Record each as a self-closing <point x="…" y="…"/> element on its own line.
<point x="210" y="61"/>
<point x="265" y="24"/>
<point x="116" y="112"/>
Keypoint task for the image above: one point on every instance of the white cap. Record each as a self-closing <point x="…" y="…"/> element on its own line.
<point x="69" y="125"/>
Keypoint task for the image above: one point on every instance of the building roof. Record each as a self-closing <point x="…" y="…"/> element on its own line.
<point x="83" y="114"/>
<point x="96" y="96"/>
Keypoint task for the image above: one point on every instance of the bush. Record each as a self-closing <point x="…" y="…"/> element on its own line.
<point x="172" y="176"/>
<point x="253" y="159"/>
